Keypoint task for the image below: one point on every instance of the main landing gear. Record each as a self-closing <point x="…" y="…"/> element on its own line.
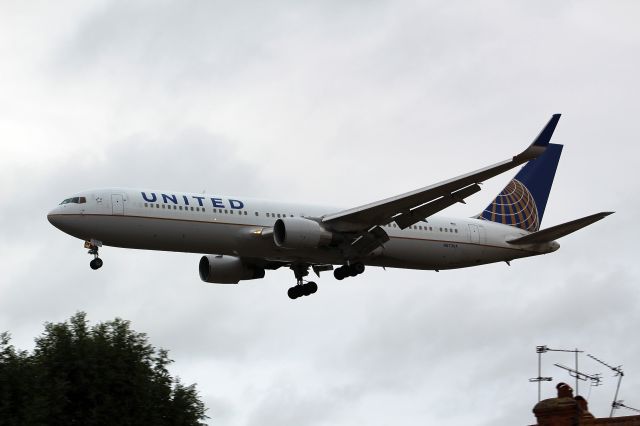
<point x="93" y="246"/>
<point x="301" y="288"/>
<point x="350" y="270"/>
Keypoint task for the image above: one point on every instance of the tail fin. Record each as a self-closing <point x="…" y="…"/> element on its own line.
<point x="522" y="202"/>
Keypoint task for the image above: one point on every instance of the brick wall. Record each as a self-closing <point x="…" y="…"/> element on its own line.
<point x="566" y="412"/>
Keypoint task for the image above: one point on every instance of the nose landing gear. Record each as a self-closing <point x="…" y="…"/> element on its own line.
<point x="93" y="246"/>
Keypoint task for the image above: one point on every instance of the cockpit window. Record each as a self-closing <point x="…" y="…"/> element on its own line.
<point x="75" y="200"/>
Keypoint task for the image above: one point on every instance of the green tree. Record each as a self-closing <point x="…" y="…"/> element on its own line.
<point x="102" y="375"/>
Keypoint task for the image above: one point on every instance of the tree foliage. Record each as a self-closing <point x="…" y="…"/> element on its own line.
<point x="106" y="374"/>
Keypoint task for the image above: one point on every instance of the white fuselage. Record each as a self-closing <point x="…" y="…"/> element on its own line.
<point x="236" y="226"/>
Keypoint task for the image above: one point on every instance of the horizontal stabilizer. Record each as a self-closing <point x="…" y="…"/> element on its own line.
<point x="559" y="231"/>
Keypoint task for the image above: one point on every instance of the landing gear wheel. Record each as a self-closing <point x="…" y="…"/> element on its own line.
<point x="96" y="263"/>
<point x="309" y="288"/>
<point x="358" y="268"/>
<point x="302" y="290"/>
<point x="293" y="293"/>
<point x="348" y="271"/>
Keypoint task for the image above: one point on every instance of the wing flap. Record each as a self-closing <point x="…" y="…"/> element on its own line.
<point x="559" y="231"/>
<point x="405" y="220"/>
<point x="367" y="243"/>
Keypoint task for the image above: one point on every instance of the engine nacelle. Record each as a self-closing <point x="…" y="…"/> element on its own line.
<point x="300" y="233"/>
<point x="226" y="270"/>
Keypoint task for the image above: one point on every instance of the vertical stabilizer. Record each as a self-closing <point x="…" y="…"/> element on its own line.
<point x="522" y="202"/>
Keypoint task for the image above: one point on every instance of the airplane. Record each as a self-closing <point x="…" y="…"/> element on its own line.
<point x="241" y="237"/>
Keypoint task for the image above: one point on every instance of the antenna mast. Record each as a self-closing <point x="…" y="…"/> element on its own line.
<point x="619" y="374"/>
<point x="540" y="350"/>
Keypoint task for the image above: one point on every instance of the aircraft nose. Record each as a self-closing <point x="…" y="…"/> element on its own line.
<point x="54" y="217"/>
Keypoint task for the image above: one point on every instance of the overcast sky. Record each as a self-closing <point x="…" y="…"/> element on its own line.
<point x="337" y="103"/>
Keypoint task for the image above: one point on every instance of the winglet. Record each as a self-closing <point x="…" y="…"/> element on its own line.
<point x="545" y="135"/>
<point x="541" y="142"/>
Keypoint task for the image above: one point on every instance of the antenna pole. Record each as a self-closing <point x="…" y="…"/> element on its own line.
<point x="615" y="404"/>
<point x="540" y="350"/>
<point x="577" y="393"/>
<point x="539" y="375"/>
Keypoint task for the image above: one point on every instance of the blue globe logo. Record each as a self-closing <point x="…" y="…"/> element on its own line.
<point x="514" y="206"/>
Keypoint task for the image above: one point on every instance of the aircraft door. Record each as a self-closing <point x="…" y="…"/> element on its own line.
<point x="474" y="234"/>
<point x="117" y="204"/>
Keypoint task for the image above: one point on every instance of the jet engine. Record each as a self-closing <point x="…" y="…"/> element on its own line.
<point x="226" y="270"/>
<point x="300" y="233"/>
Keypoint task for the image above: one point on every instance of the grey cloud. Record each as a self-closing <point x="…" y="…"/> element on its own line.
<point x="340" y="104"/>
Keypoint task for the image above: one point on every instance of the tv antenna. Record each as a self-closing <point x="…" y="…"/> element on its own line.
<point x="540" y="350"/>
<point x="619" y="374"/>
<point x="594" y="378"/>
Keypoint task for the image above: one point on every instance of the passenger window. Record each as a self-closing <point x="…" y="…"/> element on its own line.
<point x="245" y="212"/>
<point x="456" y="231"/>
<point x="278" y="214"/>
<point x="180" y="208"/>
<point x="225" y="212"/>
<point x="191" y="208"/>
<point x="440" y="229"/>
<point x="146" y="204"/>
<point x="203" y="209"/>
<point x="256" y="213"/>
<point x="157" y="206"/>
<point x="230" y="211"/>
<point x="163" y="206"/>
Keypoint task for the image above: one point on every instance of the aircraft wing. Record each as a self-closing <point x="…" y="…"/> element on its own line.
<point x="412" y="207"/>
